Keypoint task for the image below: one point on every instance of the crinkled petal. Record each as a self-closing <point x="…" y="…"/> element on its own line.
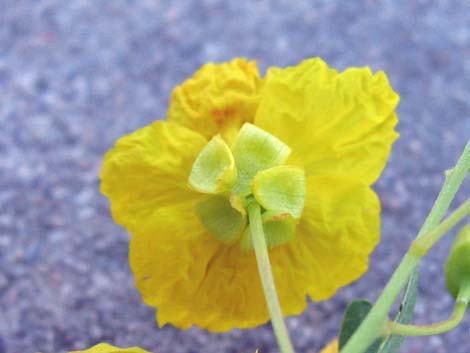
<point x="192" y="278"/>
<point x="169" y="254"/>
<point x="107" y="348"/>
<point x="231" y="295"/>
<point x="148" y="169"/>
<point x="339" y="229"/>
<point x="219" y="98"/>
<point x="335" y="123"/>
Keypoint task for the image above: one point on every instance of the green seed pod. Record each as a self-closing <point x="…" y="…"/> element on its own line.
<point x="457" y="267"/>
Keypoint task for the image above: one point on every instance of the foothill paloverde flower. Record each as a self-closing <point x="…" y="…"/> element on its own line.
<point x="304" y="144"/>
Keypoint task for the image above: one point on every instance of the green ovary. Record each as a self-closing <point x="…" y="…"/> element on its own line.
<point x="251" y="169"/>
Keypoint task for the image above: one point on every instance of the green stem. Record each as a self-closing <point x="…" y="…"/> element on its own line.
<point x="376" y="320"/>
<point x="423" y="244"/>
<point x="453" y="179"/>
<point x="417" y="250"/>
<point x="461" y="305"/>
<point x="267" y="280"/>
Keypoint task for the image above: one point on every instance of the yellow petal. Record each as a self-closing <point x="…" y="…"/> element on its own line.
<point x="335" y="123"/>
<point x="169" y="255"/>
<point x="107" y="348"/>
<point x="333" y="347"/>
<point x="339" y="228"/>
<point x="148" y="169"/>
<point x="192" y="278"/>
<point x="219" y="98"/>
<point x="231" y="295"/>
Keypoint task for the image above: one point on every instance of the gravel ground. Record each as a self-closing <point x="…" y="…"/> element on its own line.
<point x="76" y="75"/>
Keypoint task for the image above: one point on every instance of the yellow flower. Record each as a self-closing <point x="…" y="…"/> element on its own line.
<point x="305" y="137"/>
<point x="107" y="348"/>
<point x="331" y="348"/>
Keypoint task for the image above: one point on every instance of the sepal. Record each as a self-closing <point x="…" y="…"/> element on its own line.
<point x="219" y="217"/>
<point x="214" y="170"/>
<point x="254" y="150"/>
<point x="281" y="188"/>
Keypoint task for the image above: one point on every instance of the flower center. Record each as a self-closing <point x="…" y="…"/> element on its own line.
<point x="252" y="168"/>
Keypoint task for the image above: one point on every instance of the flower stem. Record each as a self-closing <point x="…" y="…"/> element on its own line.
<point x="376" y="320"/>
<point x="461" y="304"/>
<point x="423" y="244"/>
<point x="267" y="280"/>
<point x="417" y="250"/>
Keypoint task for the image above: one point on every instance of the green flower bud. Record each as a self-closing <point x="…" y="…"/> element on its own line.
<point x="457" y="267"/>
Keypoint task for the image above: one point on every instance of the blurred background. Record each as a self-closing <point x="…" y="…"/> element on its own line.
<point x="76" y="75"/>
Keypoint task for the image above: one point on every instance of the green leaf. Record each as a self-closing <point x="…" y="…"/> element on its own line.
<point x="355" y="313"/>
<point x="393" y="343"/>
